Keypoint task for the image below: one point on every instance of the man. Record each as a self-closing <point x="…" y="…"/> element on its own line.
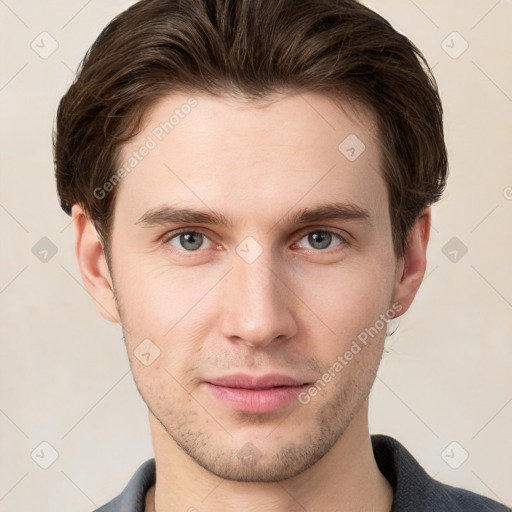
<point x="251" y="183"/>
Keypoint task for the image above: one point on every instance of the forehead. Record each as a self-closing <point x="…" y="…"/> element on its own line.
<point x="253" y="161"/>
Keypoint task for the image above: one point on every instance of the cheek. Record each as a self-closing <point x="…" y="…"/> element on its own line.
<point x="171" y="307"/>
<point x="159" y="296"/>
<point x="348" y="297"/>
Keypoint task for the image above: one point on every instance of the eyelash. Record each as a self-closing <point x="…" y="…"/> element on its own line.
<point x="173" y="234"/>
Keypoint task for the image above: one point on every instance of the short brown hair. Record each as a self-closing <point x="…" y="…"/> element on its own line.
<point x="254" y="48"/>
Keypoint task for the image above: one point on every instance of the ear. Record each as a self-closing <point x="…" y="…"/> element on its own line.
<point x="93" y="265"/>
<point x="411" y="267"/>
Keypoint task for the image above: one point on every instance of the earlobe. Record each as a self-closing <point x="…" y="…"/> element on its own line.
<point x="411" y="267"/>
<point x="93" y="265"/>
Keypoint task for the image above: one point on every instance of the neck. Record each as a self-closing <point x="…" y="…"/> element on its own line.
<point x="345" y="479"/>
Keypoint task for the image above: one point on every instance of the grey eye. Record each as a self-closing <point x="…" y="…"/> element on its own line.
<point x="320" y="239"/>
<point x="189" y="240"/>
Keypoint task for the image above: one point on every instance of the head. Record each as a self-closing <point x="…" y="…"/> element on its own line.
<point x="251" y="186"/>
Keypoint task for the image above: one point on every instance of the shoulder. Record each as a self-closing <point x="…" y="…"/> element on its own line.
<point x="132" y="498"/>
<point x="414" y="490"/>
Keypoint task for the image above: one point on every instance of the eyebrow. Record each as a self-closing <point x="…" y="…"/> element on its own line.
<point x="166" y="214"/>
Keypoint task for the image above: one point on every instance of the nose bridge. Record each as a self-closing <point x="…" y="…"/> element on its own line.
<point x="257" y="308"/>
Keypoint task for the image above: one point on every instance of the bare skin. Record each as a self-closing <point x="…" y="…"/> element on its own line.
<point x="293" y="310"/>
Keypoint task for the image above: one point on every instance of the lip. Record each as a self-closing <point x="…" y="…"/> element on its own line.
<point x="255" y="394"/>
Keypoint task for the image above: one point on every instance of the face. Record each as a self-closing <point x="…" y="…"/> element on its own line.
<point x="239" y="319"/>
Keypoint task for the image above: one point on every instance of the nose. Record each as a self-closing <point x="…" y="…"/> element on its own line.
<point x="257" y="303"/>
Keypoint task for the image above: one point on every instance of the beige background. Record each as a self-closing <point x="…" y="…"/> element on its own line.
<point x="64" y="372"/>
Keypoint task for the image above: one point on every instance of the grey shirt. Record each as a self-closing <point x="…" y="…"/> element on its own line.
<point x="414" y="490"/>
